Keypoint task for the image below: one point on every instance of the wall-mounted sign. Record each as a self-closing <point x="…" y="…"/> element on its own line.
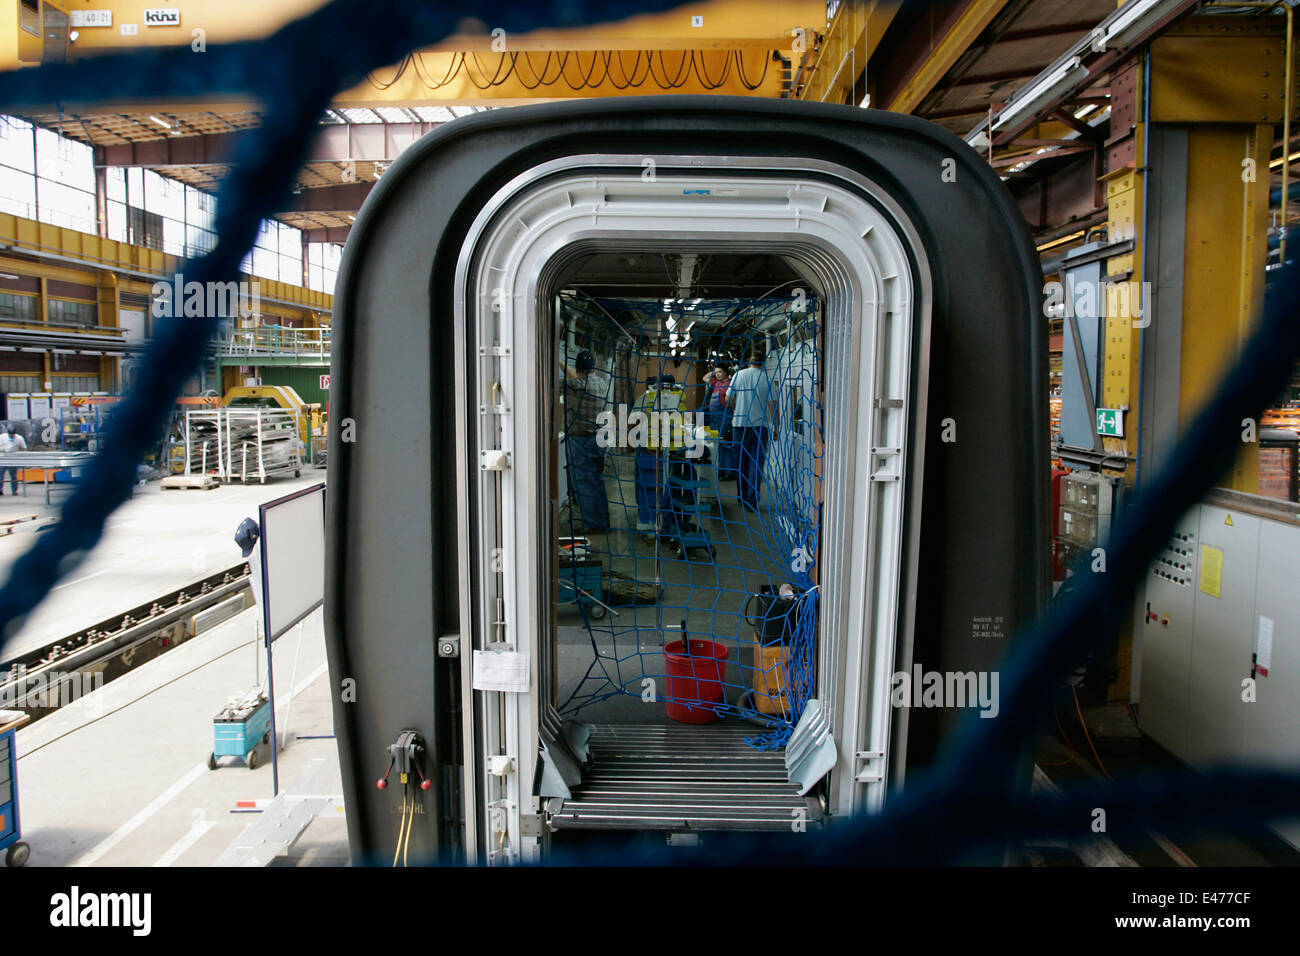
<point x="90" y="18"/>
<point x="162" y="17"/>
<point x="1110" y="422"/>
<point x="325" y="383"/>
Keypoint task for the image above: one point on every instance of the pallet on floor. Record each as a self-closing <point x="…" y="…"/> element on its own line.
<point x="195" y="482"/>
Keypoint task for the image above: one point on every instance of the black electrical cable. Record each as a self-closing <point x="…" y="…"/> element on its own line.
<point x="589" y="76"/>
<point x="447" y="77"/>
<point x="401" y="68"/>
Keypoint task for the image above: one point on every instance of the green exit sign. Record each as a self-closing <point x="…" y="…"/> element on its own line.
<point x="1110" y="422"/>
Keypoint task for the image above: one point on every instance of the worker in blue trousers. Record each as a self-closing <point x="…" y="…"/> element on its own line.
<point x="586" y="391"/>
<point x="750" y="398"/>
<point x="651" y="490"/>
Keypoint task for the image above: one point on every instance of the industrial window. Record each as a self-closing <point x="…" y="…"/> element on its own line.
<point x="65" y="182"/>
<point x="277" y="253"/>
<point x="323" y="265"/>
<point x="144" y="228"/>
<point x="149" y="210"/>
<point x="74" y="382"/>
<point x="45" y="176"/>
<point x="30" y="16"/>
<point x="10" y="384"/>
<point x="65" y="312"/>
<point x="18" y="308"/>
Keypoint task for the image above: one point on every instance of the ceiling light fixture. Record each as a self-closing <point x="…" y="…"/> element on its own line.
<point x="1041" y="92"/>
<point x="1129" y="23"/>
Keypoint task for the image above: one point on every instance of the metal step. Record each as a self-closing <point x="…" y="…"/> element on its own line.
<point x="682" y="777"/>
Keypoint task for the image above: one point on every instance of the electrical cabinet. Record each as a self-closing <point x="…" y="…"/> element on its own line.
<point x="1220" y="611"/>
<point x="1166" y="637"/>
<point x="1087" y="503"/>
<point x="1228" y="557"/>
<point x="1273" y="719"/>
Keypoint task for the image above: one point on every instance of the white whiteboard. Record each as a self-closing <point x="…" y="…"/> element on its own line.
<point x="293" y="558"/>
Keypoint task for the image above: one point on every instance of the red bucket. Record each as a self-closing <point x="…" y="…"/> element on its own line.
<point x="695" y="680"/>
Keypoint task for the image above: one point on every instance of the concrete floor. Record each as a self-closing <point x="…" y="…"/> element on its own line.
<point x="156" y="542"/>
<point x="120" y="778"/>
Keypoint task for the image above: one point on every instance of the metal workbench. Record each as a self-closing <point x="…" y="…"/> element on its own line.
<point x="46" y="461"/>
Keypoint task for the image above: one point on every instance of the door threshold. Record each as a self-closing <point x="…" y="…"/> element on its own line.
<point x="683" y="777"/>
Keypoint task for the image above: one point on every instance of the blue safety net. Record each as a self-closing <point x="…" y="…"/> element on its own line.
<point x="969" y="798"/>
<point x="688" y="543"/>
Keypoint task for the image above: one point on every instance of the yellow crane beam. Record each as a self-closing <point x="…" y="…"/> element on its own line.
<point x="712" y="26"/>
<point x="721" y="47"/>
<point x="944" y="52"/>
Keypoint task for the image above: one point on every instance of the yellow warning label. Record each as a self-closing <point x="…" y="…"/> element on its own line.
<point x="1211" y="570"/>
<point x="1228" y="521"/>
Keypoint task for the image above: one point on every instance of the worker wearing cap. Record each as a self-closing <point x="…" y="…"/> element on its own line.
<point x="586" y="391"/>
<point x="246" y="536"/>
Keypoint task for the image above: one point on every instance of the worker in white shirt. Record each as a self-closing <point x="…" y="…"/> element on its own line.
<point x="11" y="441"/>
<point x="750" y="397"/>
<point x="586" y="392"/>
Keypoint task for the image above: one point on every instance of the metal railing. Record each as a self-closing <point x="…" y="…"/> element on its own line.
<point x="277" y="340"/>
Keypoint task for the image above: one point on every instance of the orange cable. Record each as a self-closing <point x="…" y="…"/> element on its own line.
<point x="1088" y="736"/>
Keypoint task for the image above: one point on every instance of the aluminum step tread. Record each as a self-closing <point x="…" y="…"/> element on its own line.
<point x="704" y="777"/>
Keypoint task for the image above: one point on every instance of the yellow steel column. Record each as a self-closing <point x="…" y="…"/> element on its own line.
<point x="1220" y="81"/>
<point x="1125" y="190"/>
<point x="1121" y="355"/>
<point x="109" y="305"/>
<point x="1227" y="242"/>
<point x="1224" y="79"/>
<point x="42" y="304"/>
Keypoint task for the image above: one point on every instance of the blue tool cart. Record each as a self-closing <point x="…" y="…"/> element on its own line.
<point x="582" y="581"/>
<point x="684" y="528"/>
<point x="242" y="724"/>
<point x="16" y="851"/>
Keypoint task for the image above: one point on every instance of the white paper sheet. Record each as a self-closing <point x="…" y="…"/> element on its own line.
<point x="501" y="670"/>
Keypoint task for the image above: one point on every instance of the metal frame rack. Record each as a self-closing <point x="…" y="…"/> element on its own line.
<point x="261" y="443"/>
<point x="244" y="443"/>
<point x="202" y="441"/>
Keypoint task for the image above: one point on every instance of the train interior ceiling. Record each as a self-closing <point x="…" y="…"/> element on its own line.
<point x="686" y="532"/>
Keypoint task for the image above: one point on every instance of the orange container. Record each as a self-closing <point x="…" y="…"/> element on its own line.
<point x="771" y="670"/>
